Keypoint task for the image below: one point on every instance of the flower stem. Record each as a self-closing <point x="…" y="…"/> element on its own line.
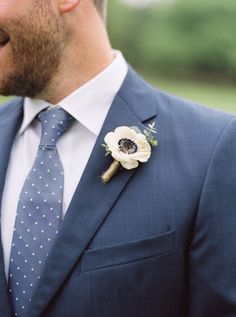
<point x="112" y="170"/>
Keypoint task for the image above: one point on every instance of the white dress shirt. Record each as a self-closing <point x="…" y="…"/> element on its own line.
<point x="89" y="106"/>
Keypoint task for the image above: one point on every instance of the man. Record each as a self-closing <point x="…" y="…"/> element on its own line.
<point x="157" y="240"/>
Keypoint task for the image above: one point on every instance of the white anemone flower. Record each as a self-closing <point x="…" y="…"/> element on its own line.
<point x="128" y="147"/>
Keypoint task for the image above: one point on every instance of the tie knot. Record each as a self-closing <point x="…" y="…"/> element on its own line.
<point x="54" y="123"/>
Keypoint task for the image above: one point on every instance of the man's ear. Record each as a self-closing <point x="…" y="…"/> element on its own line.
<point x="67" y="5"/>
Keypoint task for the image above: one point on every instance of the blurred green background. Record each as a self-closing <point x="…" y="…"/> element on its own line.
<point x="186" y="47"/>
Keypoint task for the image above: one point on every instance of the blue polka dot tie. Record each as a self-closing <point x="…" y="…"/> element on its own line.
<point x="39" y="212"/>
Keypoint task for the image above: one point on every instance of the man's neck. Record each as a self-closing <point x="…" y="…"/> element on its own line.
<point x="88" y="54"/>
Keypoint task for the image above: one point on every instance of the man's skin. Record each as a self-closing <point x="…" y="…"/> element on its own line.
<point x="75" y="37"/>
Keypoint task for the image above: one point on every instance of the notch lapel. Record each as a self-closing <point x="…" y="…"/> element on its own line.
<point x="9" y="125"/>
<point x="92" y="200"/>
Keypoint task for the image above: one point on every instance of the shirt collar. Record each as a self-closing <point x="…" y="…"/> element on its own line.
<point x="88" y="104"/>
<point x="32" y="107"/>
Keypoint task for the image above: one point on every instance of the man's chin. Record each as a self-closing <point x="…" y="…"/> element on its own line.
<point x="7" y="84"/>
<point x="7" y="91"/>
<point x="10" y="88"/>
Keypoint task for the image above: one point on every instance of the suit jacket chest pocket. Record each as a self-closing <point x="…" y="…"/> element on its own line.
<point x="134" y="251"/>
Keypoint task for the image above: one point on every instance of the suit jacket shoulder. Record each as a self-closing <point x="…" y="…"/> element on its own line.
<point x="173" y="110"/>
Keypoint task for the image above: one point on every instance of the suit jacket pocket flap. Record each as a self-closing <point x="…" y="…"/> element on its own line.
<point x="126" y="253"/>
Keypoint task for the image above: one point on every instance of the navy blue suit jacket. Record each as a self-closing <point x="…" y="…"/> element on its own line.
<point x="157" y="241"/>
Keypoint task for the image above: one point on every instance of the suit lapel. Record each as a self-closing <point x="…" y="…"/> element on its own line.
<point x="9" y="125"/>
<point x="92" y="200"/>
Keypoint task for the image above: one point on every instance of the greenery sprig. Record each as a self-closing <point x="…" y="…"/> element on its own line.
<point x="148" y="132"/>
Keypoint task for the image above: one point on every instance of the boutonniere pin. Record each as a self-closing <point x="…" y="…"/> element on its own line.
<point x="128" y="146"/>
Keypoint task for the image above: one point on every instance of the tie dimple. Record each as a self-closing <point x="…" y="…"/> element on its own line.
<point x="39" y="212"/>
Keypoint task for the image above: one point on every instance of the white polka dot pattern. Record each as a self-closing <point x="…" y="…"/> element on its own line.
<point x="38" y="213"/>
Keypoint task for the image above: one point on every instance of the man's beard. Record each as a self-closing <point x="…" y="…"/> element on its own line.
<point x="35" y="49"/>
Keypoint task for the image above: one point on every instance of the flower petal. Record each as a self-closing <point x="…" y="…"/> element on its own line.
<point x="144" y="152"/>
<point x="111" y="141"/>
<point x="125" y="132"/>
<point x="120" y="156"/>
<point x="130" y="164"/>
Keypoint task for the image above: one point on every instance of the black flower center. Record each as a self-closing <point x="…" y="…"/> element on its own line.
<point x="127" y="146"/>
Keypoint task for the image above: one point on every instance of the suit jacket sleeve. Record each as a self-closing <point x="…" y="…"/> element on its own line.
<point x="212" y="262"/>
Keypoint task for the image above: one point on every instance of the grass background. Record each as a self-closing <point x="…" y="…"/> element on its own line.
<point x="215" y="95"/>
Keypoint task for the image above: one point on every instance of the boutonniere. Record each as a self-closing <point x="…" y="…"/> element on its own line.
<point x="128" y="146"/>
